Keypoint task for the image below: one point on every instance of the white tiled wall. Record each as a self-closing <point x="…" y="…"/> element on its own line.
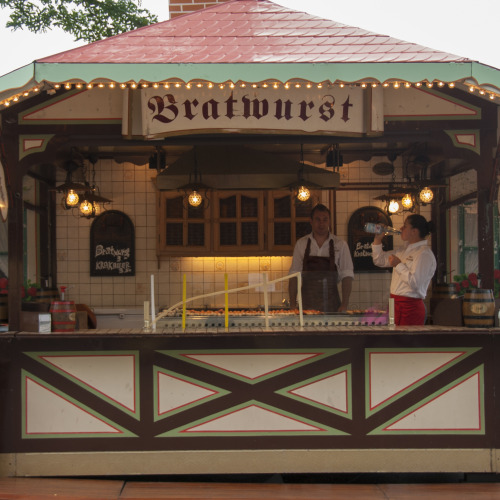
<point x="132" y="191"/>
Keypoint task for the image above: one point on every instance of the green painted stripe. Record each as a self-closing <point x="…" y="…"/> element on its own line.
<point x="38" y="356"/>
<point x="382" y="429"/>
<point x="25" y="374"/>
<point x="253" y="72"/>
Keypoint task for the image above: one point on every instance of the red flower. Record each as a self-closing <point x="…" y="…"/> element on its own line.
<point x="457" y="287"/>
<point x="465" y="284"/>
<point x="32" y="291"/>
<point x="4" y="283"/>
<point x="473" y="279"/>
<point x="496" y="274"/>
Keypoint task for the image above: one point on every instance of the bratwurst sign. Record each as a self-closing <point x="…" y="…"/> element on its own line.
<point x="181" y="110"/>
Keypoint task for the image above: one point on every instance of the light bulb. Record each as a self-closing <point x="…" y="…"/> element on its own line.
<point x="426" y="195"/>
<point x="393" y="206"/>
<point x="72" y="198"/>
<point x="303" y="193"/>
<point x="86" y="207"/>
<point x="407" y="201"/>
<point x="195" y="199"/>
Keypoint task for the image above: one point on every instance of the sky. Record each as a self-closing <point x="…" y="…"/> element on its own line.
<point x="456" y="26"/>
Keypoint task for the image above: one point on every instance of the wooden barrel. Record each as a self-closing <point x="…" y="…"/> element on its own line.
<point x="63" y="313"/>
<point x="478" y="308"/>
<point x="443" y="291"/>
<point x="47" y="295"/>
<point x="4" y="307"/>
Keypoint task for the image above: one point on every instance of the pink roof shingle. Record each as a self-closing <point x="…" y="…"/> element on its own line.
<point x="250" y="31"/>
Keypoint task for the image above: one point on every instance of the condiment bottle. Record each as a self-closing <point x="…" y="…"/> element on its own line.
<point x="372" y="227"/>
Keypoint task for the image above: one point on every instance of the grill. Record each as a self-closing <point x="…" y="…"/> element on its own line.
<point x="275" y="320"/>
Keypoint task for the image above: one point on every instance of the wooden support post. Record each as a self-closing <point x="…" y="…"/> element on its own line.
<point x="485" y="221"/>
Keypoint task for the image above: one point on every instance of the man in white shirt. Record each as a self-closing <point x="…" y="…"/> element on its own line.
<point x="324" y="260"/>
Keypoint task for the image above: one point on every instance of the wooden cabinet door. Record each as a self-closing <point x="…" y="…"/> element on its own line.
<point x="182" y="229"/>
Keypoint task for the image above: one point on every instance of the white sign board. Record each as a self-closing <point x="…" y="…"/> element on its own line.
<point x="258" y="110"/>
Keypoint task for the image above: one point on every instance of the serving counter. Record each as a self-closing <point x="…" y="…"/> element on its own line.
<point x="283" y="399"/>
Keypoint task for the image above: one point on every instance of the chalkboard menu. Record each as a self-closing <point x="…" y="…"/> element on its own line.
<point x="112" y="245"/>
<point x="360" y="242"/>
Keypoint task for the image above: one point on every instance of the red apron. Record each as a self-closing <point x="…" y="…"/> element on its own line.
<point x="408" y="310"/>
<point x="319" y="281"/>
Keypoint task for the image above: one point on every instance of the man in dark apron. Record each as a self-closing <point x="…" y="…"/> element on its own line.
<point x="324" y="260"/>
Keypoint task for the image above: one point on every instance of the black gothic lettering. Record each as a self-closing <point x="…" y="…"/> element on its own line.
<point x="303" y="109"/>
<point x="230" y="102"/>
<point x="345" y="106"/>
<point x="210" y="109"/>
<point x="257" y="108"/>
<point x="283" y="109"/>
<point x="157" y="105"/>
<point x="188" y="108"/>
<point x="326" y="111"/>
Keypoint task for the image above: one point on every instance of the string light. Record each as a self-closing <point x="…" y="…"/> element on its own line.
<point x="276" y="85"/>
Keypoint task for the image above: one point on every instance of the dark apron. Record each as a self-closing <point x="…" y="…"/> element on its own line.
<point x="319" y="281"/>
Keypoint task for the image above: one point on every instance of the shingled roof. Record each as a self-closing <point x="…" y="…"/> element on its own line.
<point x="248" y="41"/>
<point x="250" y="31"/>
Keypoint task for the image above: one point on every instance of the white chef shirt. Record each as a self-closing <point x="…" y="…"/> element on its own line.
<point x="343" y="259"/>
<point x="411" y="277"/>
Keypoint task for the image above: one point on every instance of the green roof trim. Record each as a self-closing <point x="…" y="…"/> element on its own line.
<point x="36" y="73"/>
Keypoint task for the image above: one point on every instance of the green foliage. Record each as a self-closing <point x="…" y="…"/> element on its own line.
<point x="86" y="20"/>
<point x="464" y="282"/>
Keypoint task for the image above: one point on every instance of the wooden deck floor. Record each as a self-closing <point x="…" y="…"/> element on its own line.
<point x="103" y="489"/>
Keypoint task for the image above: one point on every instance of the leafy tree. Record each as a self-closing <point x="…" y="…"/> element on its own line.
<point x="86" y="20"/>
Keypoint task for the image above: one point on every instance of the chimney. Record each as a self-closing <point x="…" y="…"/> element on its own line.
<point x="180" y="7"/>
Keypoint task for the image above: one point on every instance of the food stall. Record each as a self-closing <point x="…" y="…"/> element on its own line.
<point x="244" y="126"/>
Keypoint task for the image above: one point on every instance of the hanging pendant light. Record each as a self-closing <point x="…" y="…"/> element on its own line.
<point x="407" y="201"/>
<point x="303" y="194"/>
<point x="393" y="206"/>
<point x="87" y="209"/>
<point x="195" y="198"/>
<point x="72" y="198"/>
<point x="426" y="195"/>
<point x="195" y="192"/>
<point x="69" y="188"/>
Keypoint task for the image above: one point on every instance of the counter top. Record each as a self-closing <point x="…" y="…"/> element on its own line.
<point x="312" y="330"/>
